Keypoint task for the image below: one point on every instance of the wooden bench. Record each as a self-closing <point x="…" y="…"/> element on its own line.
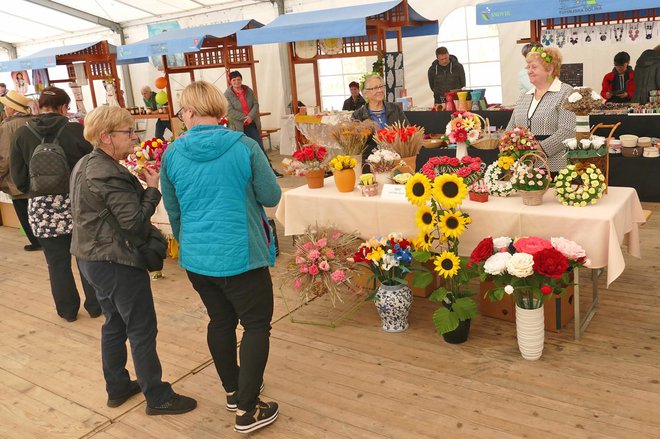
<point x="265" y="134"/>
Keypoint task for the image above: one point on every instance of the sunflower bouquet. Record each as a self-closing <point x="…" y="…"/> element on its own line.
<point x="470" y="169"/>
<point x="441" y="223"/>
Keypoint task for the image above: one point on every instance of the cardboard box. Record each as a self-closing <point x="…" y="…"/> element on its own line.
<point x="558" y="310"/>
<point x="8" y="215"/>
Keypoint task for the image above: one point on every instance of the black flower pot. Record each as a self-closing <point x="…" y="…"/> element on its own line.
<point x="460" y="334"/>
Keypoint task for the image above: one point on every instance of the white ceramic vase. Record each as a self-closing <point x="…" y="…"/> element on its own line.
<point x="393" y="304"/>
<point x="461" y="150"/>
<point x="530" y="331"/>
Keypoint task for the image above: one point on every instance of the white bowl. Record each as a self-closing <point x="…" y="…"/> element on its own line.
<point x="628" y="140"/>
<point x="651" y="152"/>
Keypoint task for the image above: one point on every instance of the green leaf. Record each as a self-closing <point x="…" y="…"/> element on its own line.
<point x="445" y="320"/>
<point x="421" y="256"/>
<point x="400" y="280"/>
<point x="438" y="295"/>
<point x="422" y="279"/>
<point x="465" y="308"/>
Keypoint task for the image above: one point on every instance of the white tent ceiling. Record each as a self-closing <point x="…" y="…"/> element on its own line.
<point x="25" y="21"/>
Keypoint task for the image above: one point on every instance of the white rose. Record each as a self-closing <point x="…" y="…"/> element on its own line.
<point x="520" y="265"/>
<point x="508" y="289"/>
<point x="597" y="141"/>
<point x="502" y="242"/>
<point x="574" y="97"/>
<point x="496" y="264"/>
<point x="585" y="143"/>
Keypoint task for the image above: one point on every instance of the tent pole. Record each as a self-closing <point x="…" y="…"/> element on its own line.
<point x="317" y="87"/>
<point x="294" y="87"/>
<point x="170" y="101"/>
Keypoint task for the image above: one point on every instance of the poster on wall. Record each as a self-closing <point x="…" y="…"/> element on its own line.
<point x="40" y="79"/>
<point x="159" y="28"/>
<point x="572" y="74"/>
<point x="21" y="81"/>
<point x="393" y="75"/>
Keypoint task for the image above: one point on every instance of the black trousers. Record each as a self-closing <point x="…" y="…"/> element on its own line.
<point x="248" y="298"/>
<point x="62" y="283"/>
<point x="125" y="296"/>
<point x="161" y="125"/>
<point x="253" y="133"/>
<point x="21" y="207"/>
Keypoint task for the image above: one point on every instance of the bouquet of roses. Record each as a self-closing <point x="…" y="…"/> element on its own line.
<point x="405" y="140"/>
<point x="517" y="142"/>
<point x="383" y="160"/>
<point x="148" y="154"/>
<point x="341" y="162"/>
<point x="311" y="156"/>
<point x="470" y="169"/>
<point x="530" y="268"/>
<point x="320" y="266"/>
<point x="463" y="127"/>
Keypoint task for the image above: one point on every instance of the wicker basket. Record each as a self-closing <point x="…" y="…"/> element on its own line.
<point x="370" y="190"/>
<point x="534" y="198"/>
<point x="478" y="197"/>
<point x="488" y="141"/>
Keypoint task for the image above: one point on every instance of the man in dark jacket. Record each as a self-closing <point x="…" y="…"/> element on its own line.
<point x="619" y="84"/>
<point x="647" y="74"/>
<point x="445" y="74"/>
<point x="356" y="100"/>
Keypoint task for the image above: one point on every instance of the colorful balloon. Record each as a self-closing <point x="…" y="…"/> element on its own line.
<point x="160" y="83"/>
<point x="161" y="98"/>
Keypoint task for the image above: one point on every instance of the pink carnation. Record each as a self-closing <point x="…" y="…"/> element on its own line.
<point x="323" y="265"/>
<point x="568" y="248"/>
<point x="303" y="269"/>
<point x="307" y="245"/>
<point x="532" y="245"/>
<point x="330" y="254"/>
<point x="313" y="270"/>
<point x="314" y="254"/>
<point x="321" y="243"/>
<point x="297" y="283"/>
<point x="337" y="276"/>
<point x="336" y="235"/>
<point x="300" y="260"/>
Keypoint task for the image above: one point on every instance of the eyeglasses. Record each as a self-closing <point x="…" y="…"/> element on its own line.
<point x="179" y="115"/>
<point x="130" y="131"/>
<point x="379" y="87"/>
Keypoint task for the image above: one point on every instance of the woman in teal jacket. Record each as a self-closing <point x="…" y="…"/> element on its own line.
<point x="215" y="185"/>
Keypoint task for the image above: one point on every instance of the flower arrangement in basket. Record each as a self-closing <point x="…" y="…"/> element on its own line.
<point x="368" y="185"/>
<point x="531" y="181"/>
<point x="312" y="157"/>
<point x="470" y="169"/>
<point x="478" y="191"/>
<point x="579" y="185"/>
<point x="594" y="146"/>
<point x="517" y="142"/>
<point x="497" y="176"/>
<point x="320" y="265"/>
<point x="530" y="268"/>
<point x="404" y="140"/>
<point x="383" y="160"/>
<point x="352" y="135"/>
<point x="441" y="223"/>
<point x="464" y="127"/>
<point x="147" y="154"/>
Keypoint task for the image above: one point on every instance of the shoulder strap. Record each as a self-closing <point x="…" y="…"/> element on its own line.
<point x="43" y="139"/>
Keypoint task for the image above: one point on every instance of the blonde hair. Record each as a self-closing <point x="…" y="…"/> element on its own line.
<point x="371" y="77"/>
<point x="105" y="119"/>
<point x="205" y="99"/>
<point x="555" y="59"/>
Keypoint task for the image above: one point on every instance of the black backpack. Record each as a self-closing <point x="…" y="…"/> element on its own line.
<point x="49" y="167"/>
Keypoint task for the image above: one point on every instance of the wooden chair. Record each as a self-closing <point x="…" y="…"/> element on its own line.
<point x="265" y="134"/>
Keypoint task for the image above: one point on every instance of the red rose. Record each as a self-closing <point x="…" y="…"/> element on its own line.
<point x="454" y="162"/>
<point x="464" y="172"/>
<point x="550" y="262"/>
<point x="443" y="160"/>
<point x="546" y="289"/>
<point x="475" y="166"/>
<point x="482" y="251"/>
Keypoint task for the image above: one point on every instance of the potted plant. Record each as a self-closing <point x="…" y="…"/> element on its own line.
<point x="530" y="180"/>
<point x="441" y="224"/>
<point x="382" y="162"/>
<point x="389" y="259"/>
<point x="404" y="140"/>
<point x="352" y="136"/>
<point x="312" y="159"/>
<point x="531" y="269"/>
<point x="478" y="191"/>
<point x="368" y="185"/>
<point x="463" y="129"/>
<point x="342" y="167"/>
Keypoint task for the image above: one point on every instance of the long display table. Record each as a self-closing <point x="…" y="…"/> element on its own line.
<point x="600" y="229"/>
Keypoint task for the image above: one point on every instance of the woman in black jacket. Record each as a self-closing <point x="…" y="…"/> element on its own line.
<point x="50" y="215"/>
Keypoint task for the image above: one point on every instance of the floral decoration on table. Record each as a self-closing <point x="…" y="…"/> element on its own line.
<point x="495" y="177"/>
<point x="470" y="169"/>
<point x="530" y="268"/>
<point x="402" y="139"/>
<point x="368" y="185"/>
<point x="463" y="127"/>
<point x="441" y="223"/>
<point x="320" y="264"/>
<point x="311" y="157"/>
<point x="594" y="146"/>
<point x="146" y="155"/>
<point x="402" y="177"/>
<point x="517" y="142"/>
<point x="478" y="191"/>
<point x="342" y="162"/>
<point x="352" y="135"/>
<point x="527" y="177"/>
<point x="582" y="101"/>
<point x="579" y="185"/>
<point x="383" y="160"/>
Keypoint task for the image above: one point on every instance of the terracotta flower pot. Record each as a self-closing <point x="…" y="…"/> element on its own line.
<point x="315" y="178"/>
<point x="345" y="180"/>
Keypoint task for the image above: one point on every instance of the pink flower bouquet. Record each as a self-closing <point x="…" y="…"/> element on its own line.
<point x="517" y="142"/>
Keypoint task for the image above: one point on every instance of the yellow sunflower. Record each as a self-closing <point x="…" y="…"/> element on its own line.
<point x="452" y="224"/>
<point x="423" y="241"/>
<point x="449" y="190"/>
<point x="447" y="264"/>
<point x="425" y="219"/>
<point x="418" y="189"/>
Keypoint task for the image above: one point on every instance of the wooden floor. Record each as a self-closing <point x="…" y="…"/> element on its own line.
<point x="353" y="381"/>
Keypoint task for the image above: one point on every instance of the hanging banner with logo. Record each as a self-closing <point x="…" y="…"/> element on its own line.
<point x="157" y="29"/>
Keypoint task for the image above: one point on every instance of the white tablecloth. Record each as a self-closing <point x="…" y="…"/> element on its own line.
<point x="599" y="228"/>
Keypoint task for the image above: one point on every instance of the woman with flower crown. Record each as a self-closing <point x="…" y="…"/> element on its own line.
<point x="540" y="109"/>
<point x="376" y="109"/>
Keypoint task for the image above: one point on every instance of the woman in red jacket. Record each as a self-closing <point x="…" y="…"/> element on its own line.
<point x="619" y="84"/>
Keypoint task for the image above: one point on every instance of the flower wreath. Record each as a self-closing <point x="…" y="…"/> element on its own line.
<point x="569" y="193"/>
<point x="492" y="177"/>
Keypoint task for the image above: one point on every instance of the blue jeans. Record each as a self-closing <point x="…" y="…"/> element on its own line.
<point x="247" y="297"/>
<point x="125" y="296"/>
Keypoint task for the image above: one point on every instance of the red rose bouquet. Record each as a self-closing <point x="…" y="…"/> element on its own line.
<point x="530" y="268"/>
<point x="470" y="169"/>
<point x="311" y="157"/>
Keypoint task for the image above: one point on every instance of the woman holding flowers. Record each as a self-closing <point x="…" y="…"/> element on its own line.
<point x="540" y="109"/>
<point x="381" y="112"/>
<point x="215" y="185"/>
